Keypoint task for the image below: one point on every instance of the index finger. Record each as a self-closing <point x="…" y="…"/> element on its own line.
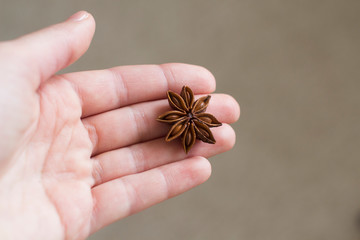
<point x="104" y="90"/>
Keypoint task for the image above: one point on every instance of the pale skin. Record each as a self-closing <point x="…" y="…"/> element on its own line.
<point x="81" y="150"/>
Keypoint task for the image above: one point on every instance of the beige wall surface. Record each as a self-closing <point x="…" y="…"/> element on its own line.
<point x="294" y="67"/>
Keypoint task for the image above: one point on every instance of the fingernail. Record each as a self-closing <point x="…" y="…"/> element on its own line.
<point x="79" y="16"/>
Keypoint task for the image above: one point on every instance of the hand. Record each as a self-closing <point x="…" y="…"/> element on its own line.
<point x="81" y="150"/>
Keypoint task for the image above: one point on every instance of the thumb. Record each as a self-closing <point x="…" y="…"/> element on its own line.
<point x="41" y="54"/>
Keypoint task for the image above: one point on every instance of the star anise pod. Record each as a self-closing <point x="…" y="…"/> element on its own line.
<point x="188" y="118"/>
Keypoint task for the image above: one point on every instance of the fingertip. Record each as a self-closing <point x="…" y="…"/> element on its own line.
<point x="201" y="168"/>
<point x="234" y="107"/>
<point x="82" y="16"/>
<point x="85" y="25"/>
<point x="227" y="108"/>
<point x="210" y="81"/>
<point x="78" y="16"/>
<point x="226" y="137"/>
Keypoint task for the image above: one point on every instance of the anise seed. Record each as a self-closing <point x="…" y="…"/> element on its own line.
<point x="190" y="121"/>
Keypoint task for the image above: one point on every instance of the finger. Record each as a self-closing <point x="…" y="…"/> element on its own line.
<point x="46" y="51"/>
<point x="125" y="196"/>
<point x="137" y="123"/>
<point x="145" y="156"/>
<point x="104" y="90"/>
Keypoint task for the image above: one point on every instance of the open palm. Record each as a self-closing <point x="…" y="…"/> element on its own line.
<point x="81" y="150"/>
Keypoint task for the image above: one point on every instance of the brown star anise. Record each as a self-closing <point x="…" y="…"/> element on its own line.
<point x="188" y="118"/>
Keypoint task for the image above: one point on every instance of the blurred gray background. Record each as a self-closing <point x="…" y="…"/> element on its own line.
<point x="294" y="67"/>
